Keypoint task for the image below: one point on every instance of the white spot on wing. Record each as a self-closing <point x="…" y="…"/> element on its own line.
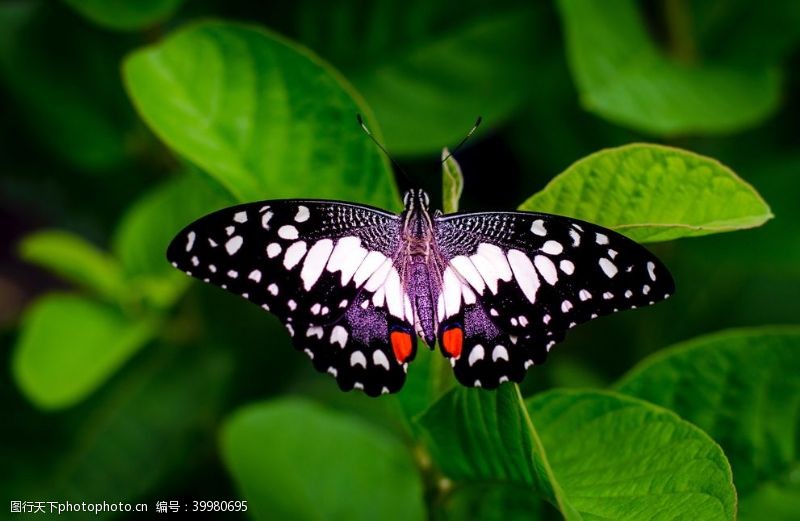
<point x="538" y="228"/>
<point x="315" y="262"/>
<point x="233" y="244"/>
<point x="552" y="248"/>
<point x="339" y="336"/>
<point x="394" y="294"/>
<point x="609" y="268"/>
<point x="302" y="214"/>
<point x="492" y="264"/>
<point x="233" y="274"/>
<point x="566" y="306"/>
<point x="576" y="238"/>
<point x="372" y="262"/>
<point x="240" y="217"/>
<point x="546" y="269"/>
<point x="265" y="220"/>
<point x="255" y="276"/>
<point x="273" y="289"/>
<point x="651" y="270"/>
<point x="293" y="255"/>
<point x="601" y="239"/>
<point x="358" y="358"/>
<point x="315" y="331"/>
<point x="378" y="358"/>
<point x="584" y="295"/>
<point x="190" y="240"/>
<point x="347" y="256"/>
<point x="567" y="266"/>
<point x="524" y="273"/>
<point x="379" y="277"/>
<point x="499" y="352"/>
<point x="287" y="231"/>
<point x="451" y="289"/>
<point x="467" y="270"/>
<point x="476" y="354"/>
<point x="273" y="250"/>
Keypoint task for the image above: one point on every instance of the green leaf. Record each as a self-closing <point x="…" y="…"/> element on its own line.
<point x="452" y="182"/>
<point x="622" y="76"/>
<point x="295" y="460"/>
<point x="431" y="71"/>
<point x="596" y="455"/>
<point x="489" y="502"/>
<point x="69" y="346"/>
<point x="70" y="256"/>
<point x="653" y="193"/>
<point x="146" y="434"/>
<point x="125" y="15"/>
<point x="264" y="116"/>
<point x="476" y="435"/>
<point x="75" y="103"/>
<point x="739" y="387"/>
<point x="621" y="458"/>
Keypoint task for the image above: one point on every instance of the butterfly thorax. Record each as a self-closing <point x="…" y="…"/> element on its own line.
<point x="420" y="263"/>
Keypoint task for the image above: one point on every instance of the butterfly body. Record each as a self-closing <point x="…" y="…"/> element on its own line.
<point x="357" y="286"/>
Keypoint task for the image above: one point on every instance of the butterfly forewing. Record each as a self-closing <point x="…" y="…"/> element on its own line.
<point x="533" y="277"/>
<point x="326" y="269"/>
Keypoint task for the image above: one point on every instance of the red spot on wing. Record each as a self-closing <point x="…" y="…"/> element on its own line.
<point x="453" y="341"/>
<point x="401" y="345"/>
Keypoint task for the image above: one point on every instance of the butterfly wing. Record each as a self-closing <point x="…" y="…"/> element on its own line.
<point x="515" y="282"/>
<point x="313" y="264"/>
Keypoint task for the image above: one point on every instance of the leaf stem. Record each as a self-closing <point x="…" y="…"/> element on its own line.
<point x="682" y="46"/>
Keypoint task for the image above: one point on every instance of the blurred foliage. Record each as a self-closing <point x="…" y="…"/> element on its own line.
<point x="124" y="120"/>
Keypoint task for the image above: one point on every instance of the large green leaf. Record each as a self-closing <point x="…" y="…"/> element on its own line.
<point x="295" y="460"/>
<point x="125" y="14"/>
<point x="155" y="425"/>
<point x="438" y="66"/>
<point x="69" y="346"/>
<point x="64" y="76"/>
<point x="653" y="193"/>
<point x="75" y="259"/>
<point x="264" y="116"/>
<point x="740" y="386"/>
<point x="594" y="455"/>
<point x="622" y="76"/>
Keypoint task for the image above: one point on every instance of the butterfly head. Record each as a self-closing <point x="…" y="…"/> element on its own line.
<point x="416" y="199"/>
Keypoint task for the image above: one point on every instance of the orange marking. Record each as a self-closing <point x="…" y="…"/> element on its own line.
<point x="453" y="341"/>
<point x="401" y="345"/>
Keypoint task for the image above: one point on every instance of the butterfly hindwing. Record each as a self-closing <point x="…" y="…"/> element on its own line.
<point x="535" y="276"/>
<point x="366" y="349"/>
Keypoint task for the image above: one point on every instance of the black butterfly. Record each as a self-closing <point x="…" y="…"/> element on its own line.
<point x="356" y="285"/>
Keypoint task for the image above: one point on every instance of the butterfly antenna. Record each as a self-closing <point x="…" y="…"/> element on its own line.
<point x="469" y="135"/>
<point x="383" y="149"/>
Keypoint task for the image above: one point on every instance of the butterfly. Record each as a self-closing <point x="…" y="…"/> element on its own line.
<point x="357" y="287"/>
